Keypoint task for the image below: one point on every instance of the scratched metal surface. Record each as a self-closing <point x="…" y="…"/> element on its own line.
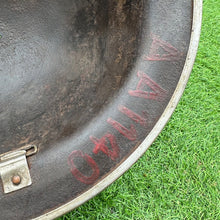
<point x="86" y="81"/>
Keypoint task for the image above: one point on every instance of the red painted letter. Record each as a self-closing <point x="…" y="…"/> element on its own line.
<point x="130" y="134"/>
<point x="157" y="94"/>
<point x="172" y="54"/>
<point x="100" y="145"/>
<point x="133" y="116"/>
<point x="77" y="174"/>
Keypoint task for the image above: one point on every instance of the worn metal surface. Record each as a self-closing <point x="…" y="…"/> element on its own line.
<point x="14" y="170"/>
<point x="86" y="81"/>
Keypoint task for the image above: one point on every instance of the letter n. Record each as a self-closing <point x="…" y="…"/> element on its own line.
<point x="157" y="92"/>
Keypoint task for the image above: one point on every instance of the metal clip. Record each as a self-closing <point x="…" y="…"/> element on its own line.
<point x="14" y="169"/>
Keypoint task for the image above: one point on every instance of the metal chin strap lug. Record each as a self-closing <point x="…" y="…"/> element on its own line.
<point x="14" y="170"/>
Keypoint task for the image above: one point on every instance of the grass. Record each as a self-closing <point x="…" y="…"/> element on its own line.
<point x="178" y="177"/>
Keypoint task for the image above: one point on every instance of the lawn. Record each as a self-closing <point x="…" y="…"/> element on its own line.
<point x="178" y="177"/>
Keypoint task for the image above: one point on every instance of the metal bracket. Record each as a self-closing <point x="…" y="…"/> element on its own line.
<point x="14" y="169"/>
